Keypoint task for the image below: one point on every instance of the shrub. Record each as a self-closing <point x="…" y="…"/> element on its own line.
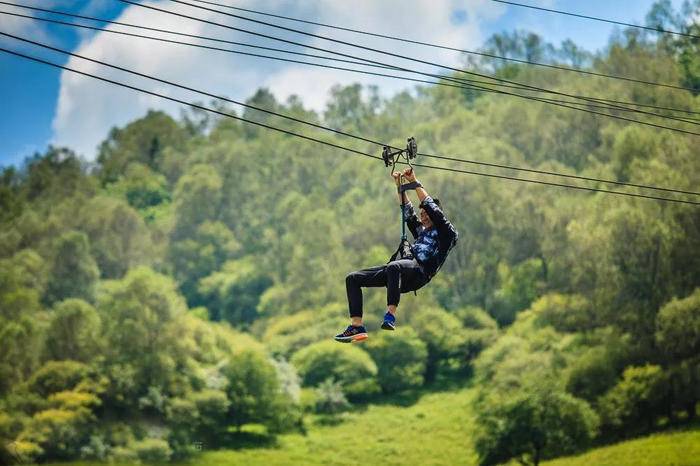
<point x="284" y="338"/>
<point x="57" y="376"/>
<point x="531" y="424"/>
<point x="566" y="313"/>
<point x="152" y="450"/>
<point x="123" y="455"/>
<point x="73" y="332"/>
<point x="95" y="449"/>
<point x="593" y="373"/>
<point x="330" y="398"/>
<point x="678" y="327"/>
<point x="444" y="336"/>
<point x="254" y="392"/>
<point x="634" y="403"/>
<point x="58" y="432"/>
<point x="400" y="360"/>
<point x="348" y="365"/>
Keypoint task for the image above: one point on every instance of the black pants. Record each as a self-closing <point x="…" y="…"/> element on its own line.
<point x="400" y="276"/>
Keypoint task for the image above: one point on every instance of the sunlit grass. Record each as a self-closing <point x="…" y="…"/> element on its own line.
<point x="434" y="429"/>
<point x="665" y="449"/>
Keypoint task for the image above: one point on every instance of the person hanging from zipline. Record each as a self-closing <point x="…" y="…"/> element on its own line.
<point x="411" y="267"/>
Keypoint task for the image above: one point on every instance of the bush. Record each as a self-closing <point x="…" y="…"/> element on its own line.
<point x="348" y="365"/>
<point x="96" y="449"/>
<point x="58" y="432"/>
<point x="152" y="450"/>
<point x="566" y="313"/>
<point x="684" y="381"/>
<point x="330" y="398"/>
<point x="283" y="337"/>
<point x="400" y="360"/>
<point x="635" y="402"/>
<point x="74" y="332"/>
<point x="678" y="327"/>
<point x="57" y="376"/>
<point x="444" y="336"/>
<point x="123" y="455"/>
<point x="255" y="394"/>
<point x="531" y="424"/>
<point x="475" y="317"/>
<point x="593" y="373"/>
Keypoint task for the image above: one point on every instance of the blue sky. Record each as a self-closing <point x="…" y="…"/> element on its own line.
<point x="41" y="105"/>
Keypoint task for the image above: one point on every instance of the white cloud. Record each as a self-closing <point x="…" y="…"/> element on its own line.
<point x="86" y="108"/>
<point x="19" y="26"/>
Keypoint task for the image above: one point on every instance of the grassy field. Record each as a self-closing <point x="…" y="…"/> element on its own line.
<point x="667" y="449"/>
<point x="435" y="430"/>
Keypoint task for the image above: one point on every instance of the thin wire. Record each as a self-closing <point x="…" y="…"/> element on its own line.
<point x="191" y="89"/>
<point x="200" y="107"/>
<point x="457" y="170"/>
<point x="458" y="70"/>
<point x="411" y="71"/>
<point x="440" y="83"/>
<point x="343" y="133"/>
<point x="168" y="31"/>
<point x="369" y="62"/>
<point x="544" y="172"/>
<point x="291" y="133"/>
<point x="594" y="18"/>
<point x="454" y="49"/>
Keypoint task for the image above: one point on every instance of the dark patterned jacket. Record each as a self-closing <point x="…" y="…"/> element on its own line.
<point x="432" y="245"/>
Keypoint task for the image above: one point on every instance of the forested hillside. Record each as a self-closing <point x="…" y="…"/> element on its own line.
<point x="181" y="292"/>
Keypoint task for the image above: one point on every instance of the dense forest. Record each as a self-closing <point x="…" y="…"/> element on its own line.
<point x="187" y="283"/>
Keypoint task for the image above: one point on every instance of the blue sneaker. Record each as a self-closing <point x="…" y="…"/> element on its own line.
<point x="389" y="321"/>
<point x="352" y="334"/>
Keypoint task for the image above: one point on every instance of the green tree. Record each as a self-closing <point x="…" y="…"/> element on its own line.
<point x="531" y="425"/>
<point x="635" y="403"/>
<point x="74" y="332"/>
<point x="443" y="335"/>
<point x="400" y="360"/>
<point x="254" y="392"/>
<point x="141" y="317"/>
<point x="352" y="367"/>
<point x="144" y="141"/>
<point x="73" y="271"/>
<point x="21" y="281"/>
<point x="233" y="293"/>
<point x="678" y="327"/>
<point x="330" y="398"/>
<point x="119" y="239"/>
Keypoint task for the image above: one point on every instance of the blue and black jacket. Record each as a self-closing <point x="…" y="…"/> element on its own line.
<point x="432" y="245"/>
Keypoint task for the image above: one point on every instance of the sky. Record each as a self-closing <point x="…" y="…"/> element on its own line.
<point x="41" y="105"/>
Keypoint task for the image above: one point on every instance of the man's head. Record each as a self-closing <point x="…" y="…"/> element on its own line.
<point x="424" y="219"/>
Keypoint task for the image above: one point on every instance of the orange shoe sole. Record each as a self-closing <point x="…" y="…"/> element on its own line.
<point x="359" y="338"/>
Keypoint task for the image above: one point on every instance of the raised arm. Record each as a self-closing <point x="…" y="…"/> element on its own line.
<point x="412" y="222"/>
<point x="431" y="208"/>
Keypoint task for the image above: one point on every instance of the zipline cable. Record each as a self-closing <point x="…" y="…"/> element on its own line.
<point x="594" y="18"/>
<point x="370" y="62"/>
<point x="458" y="70"/>
<point x="291" y="133"/>
<point x="453" y="49"/>
<point x="412" y="71"/>
<point x="336" y="131"/>
<point x="169" y="31"/>
<point x="439" y="83"/>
